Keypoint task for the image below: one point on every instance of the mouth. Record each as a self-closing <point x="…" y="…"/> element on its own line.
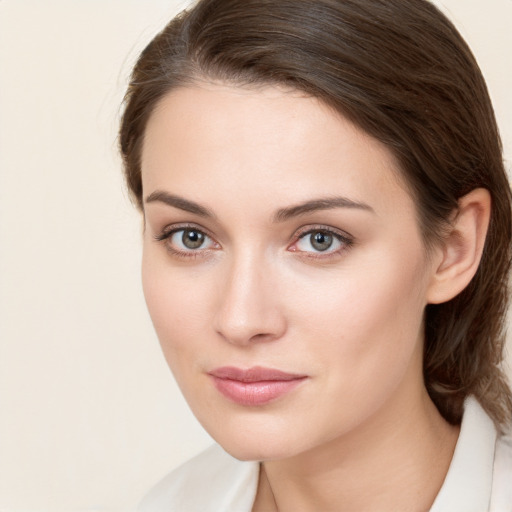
<point x="254" y="386"/>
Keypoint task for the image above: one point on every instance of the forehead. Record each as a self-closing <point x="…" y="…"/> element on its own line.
<point x="218" y="142"/>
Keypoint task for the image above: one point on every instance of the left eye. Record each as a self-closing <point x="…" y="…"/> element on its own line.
<point x="319" y="241"/>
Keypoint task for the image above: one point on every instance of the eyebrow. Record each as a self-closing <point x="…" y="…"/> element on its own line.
<point x="180" y="203"/>
<point x="283" y="214"/>
<point x="327" y="203"/>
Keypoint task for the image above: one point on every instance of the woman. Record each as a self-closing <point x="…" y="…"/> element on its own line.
<point x="327" y="240"/>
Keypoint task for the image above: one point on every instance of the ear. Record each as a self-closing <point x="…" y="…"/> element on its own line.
<point x="460" y="254"/>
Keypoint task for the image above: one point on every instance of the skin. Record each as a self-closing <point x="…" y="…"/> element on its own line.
<point x="258" y="293"/>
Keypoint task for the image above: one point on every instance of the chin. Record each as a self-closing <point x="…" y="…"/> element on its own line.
<point x="258" y="442"/>
<point x="255" y="452"/>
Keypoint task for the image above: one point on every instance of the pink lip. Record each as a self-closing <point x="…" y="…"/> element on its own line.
<point x="254" y="386"/>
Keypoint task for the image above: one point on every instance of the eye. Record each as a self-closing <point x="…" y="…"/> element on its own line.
<point x="188" y="239"/>
<point x="185" y="241"/>
<point x="321" y="241"/>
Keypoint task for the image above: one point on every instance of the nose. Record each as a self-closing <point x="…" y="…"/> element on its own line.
<point x="249" y="308"/>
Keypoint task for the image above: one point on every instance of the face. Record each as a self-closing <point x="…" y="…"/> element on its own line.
<point x="283" y="268"/>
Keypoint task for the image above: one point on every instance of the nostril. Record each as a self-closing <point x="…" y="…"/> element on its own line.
<point x="267" y="330"/>
<point x="263" y="337"/>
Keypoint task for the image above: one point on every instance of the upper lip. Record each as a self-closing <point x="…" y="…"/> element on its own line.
<point x="254" y="374"/>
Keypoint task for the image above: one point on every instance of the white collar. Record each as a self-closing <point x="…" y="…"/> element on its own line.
<point x="468" y="483"/>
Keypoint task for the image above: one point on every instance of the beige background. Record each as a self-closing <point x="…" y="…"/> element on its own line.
<point x="89" y="415"/>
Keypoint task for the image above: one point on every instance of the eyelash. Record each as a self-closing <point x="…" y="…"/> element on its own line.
<point x="346" y="241"/>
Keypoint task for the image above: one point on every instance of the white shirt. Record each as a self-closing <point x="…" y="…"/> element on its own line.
<point x="479" y="478"/>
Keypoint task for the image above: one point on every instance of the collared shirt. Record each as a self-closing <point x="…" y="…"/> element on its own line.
<point x="479" y="478"/>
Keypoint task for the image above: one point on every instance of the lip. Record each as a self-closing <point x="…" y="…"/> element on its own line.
<point x="254" y="386"/>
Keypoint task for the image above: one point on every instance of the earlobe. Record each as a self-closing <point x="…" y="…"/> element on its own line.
<point x="462" y="249"/>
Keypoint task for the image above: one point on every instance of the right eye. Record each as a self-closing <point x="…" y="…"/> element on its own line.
<point x="186" y="241"/>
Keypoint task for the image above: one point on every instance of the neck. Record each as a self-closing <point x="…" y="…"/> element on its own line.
<point x="392" y="462"/>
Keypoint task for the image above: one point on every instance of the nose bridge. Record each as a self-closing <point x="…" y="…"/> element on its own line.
<point x="248" y="310"/>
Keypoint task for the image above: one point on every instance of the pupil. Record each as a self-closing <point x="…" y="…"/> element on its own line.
<point x="321" y="241"/>
<point x="192" y="239"/>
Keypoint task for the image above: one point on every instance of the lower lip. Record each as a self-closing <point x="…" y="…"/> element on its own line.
<point x="255" y="393"/>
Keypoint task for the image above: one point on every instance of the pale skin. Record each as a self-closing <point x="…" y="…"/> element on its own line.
<point x="257" y="174"/>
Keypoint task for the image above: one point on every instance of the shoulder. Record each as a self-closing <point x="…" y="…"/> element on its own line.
<point x="501" y="500"/>
<point x="211" y="481"/>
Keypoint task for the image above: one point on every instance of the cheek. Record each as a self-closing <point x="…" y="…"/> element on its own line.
<point x="177" y="303"/>
<point x="369" y="319"/>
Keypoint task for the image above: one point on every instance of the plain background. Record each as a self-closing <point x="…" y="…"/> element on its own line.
<point x="90" y="417"/>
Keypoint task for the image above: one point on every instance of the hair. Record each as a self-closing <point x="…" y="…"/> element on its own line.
<point x="402" y="73"/>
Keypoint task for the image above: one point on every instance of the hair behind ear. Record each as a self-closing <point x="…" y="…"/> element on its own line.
<point x="465" y="339"/>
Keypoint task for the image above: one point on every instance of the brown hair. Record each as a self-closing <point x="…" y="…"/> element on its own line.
<point x="401" y="72"/>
